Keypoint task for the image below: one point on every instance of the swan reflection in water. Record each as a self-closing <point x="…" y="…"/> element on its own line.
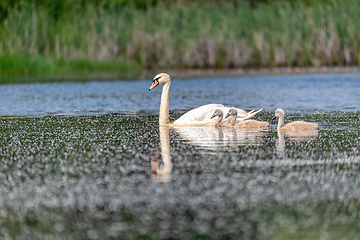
<point x="162" y="171"/>
<point x="293" y="136"/>
<point x="205" y="137"/>
<point x="219" y="138"/>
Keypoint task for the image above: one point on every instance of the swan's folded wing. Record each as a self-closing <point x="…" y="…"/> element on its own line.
<point x="248" y="115"/>
<point x="200" y="115"/>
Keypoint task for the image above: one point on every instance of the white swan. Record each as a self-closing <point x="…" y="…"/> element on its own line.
<point x="294" y="126"/>
<point x="245" y="124"/>
<point x="198" y="116"/>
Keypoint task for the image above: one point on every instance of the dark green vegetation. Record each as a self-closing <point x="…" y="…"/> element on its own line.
<point x="120" y="35"/>
<point x="91" y="178"/>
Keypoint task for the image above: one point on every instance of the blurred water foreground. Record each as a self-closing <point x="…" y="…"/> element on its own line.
<point x="88" y="160"/>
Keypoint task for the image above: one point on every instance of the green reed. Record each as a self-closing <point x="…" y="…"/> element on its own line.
<point x="194" y="34"/>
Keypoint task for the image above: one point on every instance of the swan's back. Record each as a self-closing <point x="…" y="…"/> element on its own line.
<point x="252" y="124"/>
<point x="202" y="115"/>
<point x="300" y="126"/>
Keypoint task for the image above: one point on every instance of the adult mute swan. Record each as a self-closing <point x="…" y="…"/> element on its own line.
<point x="198" y="116"/>
<point x="294" y="126"/>
<point x="244" y="124"/>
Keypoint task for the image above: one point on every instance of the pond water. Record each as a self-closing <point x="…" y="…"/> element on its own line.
<point x="89" y="161"/>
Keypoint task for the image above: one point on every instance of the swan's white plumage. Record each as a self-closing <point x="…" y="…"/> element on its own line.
<point x="198" y="116"/>
<point x="202" y="115"/>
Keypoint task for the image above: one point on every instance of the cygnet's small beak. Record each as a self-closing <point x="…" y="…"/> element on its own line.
<point x="154" y="84"/>
<point x="273" y="118"/>
<point x="227" y="115"/>
<point x="213" y="116"/>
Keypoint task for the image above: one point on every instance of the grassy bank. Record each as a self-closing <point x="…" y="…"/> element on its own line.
<point x="181" y="35"/>
<point x="26" y="64"/>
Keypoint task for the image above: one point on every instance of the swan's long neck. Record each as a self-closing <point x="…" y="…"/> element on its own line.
<point x="219" y="119"/>
<point x="233" y="120"/>
<point x="164" y="105"/>
<point x="280" y="122"/>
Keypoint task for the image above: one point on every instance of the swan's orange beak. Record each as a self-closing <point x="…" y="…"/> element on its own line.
<point x="154" y="84"/>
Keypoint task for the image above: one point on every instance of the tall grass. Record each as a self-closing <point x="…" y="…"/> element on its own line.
<point x="188" y="35"/>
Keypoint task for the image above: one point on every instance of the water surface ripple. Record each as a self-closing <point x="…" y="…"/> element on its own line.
<point x="291" y="92"/>
<point x="89" y="161"/>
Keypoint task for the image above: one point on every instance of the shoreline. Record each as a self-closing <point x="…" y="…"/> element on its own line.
<point x="188" y="73"/>
<point x="184" y="34"/>
<point x="177" y="73"/>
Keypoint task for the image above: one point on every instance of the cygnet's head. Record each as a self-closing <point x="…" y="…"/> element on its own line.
<point x="161" y="78"/>
<point x="232" y="112"/>
<point x="278" y="113"/>
<point x="218" y="113"/>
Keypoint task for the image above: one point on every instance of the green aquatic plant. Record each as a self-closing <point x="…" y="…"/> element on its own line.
<point x="181" y="34"/>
